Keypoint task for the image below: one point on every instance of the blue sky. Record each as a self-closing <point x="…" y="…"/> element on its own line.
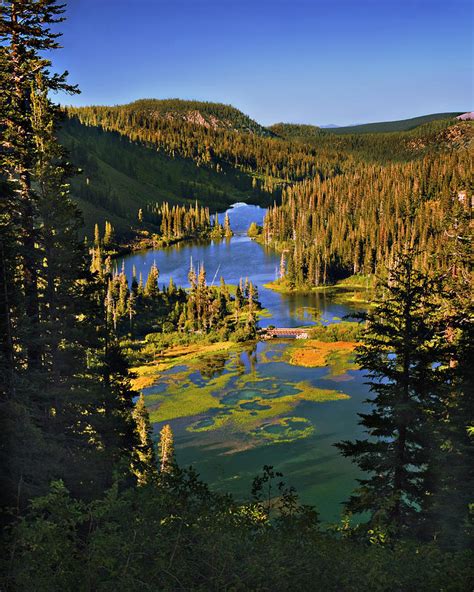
<point x="302" y="61"/>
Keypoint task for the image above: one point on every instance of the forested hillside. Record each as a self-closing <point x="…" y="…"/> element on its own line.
<point x="119" y="177"/>
<point x="393" y="191"/>
<point x="306" y="132"/>
<point x="434" y="136"/>
<point x="393" y="126"/>
<point x="178" y="151"/>
<point x="356" y="222"/>
<point x="139" y="154"/>
<point x="205" y="114"/>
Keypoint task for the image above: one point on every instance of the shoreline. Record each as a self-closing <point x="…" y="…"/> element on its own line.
<point x="141" y="241"/>
<point x="150" y="244"/>
<point x="342" y="286"/>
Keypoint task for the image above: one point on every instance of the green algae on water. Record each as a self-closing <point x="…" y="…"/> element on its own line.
<point x="287" y="429"/>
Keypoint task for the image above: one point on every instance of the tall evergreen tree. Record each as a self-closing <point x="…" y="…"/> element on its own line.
<point x="29" y="161"/>
<point x="227" y="229"/>
<point x="66" y="407"/>
<point x="25" y="34"/>
<point x="146" y="469"/>
<point x="108" y="234"/>
<point x="449" y="517"/>
<point x="166" y="449"/>
<point x="400" y="352"/>
<point x="151" y="287"/>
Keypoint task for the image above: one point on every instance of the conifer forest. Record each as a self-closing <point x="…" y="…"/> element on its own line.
<point x="234" y="357"/>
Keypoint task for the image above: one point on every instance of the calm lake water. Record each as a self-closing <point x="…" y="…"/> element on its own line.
<point x="263" y="410"/>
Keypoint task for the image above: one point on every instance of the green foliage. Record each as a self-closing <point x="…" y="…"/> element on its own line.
<point x="297" y="132"/>
<point x="145" y="467"/>
<point x="448" y="512"/>
<point x="166" y="450"/>
<point x="382" y="144"/>
<point x="179" y="151"/>
<point x="254" y="230"/>
<point x="343" y="331"/>
<point x="178" y="222"/>
<point x="66" y="399"/>
<point x="119" y="178"/>
<point x="151" y="287"/>
<point x="266" y="162"/>
<point x="243" y="334"/>
<point x="182" y="536"/>
<point x="216" y="115"/>
<point x="404" y="354"/>
<point x="66" y="402"/>
<point x="356" y="222"/>
<point x="398" y="353"/>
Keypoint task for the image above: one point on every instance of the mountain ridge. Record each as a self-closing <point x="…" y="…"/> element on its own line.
<point x="396" y="125"/>
<point x="208" y="114"/>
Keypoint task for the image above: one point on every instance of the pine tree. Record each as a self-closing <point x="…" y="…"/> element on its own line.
<point x="151" y="287"/>
<point x="227" y="229"/>
<point x="123" y="295"/>
<point x="166" y="449"/>
<point x="238" y="297"/>
<point x="251" y="298"/>
<point x="115" y="426"/>
<point x="58" y="392"/>
<point x="452" y="453"/>
<point x="201" y="284"/>
<point x="27" y="350"/>
<point x="25" y="35"/>
<point x="134" y="281"/>
<point x="146" y="469"/>
<point x="9" y="229"/>
<point x="96" y="261"/>
<point x="252" y="231"/>
<point x="399" y="353"/>
<point x="131" y="309"/>
<point x="108" y="234"/>
<point x="97" y="240"/>
<point x="107" y="272"/>
<point x="192" y="275"/>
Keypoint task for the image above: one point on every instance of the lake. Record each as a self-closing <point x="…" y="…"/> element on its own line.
<point x="235" y="409"/>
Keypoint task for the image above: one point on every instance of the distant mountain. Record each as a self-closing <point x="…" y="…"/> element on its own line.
<point x="209" y="115"/>
<point x="392" y="126"/>
<point x="329" y="126"/>
<point x="376" y="146"/>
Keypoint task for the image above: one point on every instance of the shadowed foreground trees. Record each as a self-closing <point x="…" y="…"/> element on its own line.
<point x="417" y="454"/>
<point x="65" y="397"/>
<point x="400" y="355"/>
<point x="181" y="536"/>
